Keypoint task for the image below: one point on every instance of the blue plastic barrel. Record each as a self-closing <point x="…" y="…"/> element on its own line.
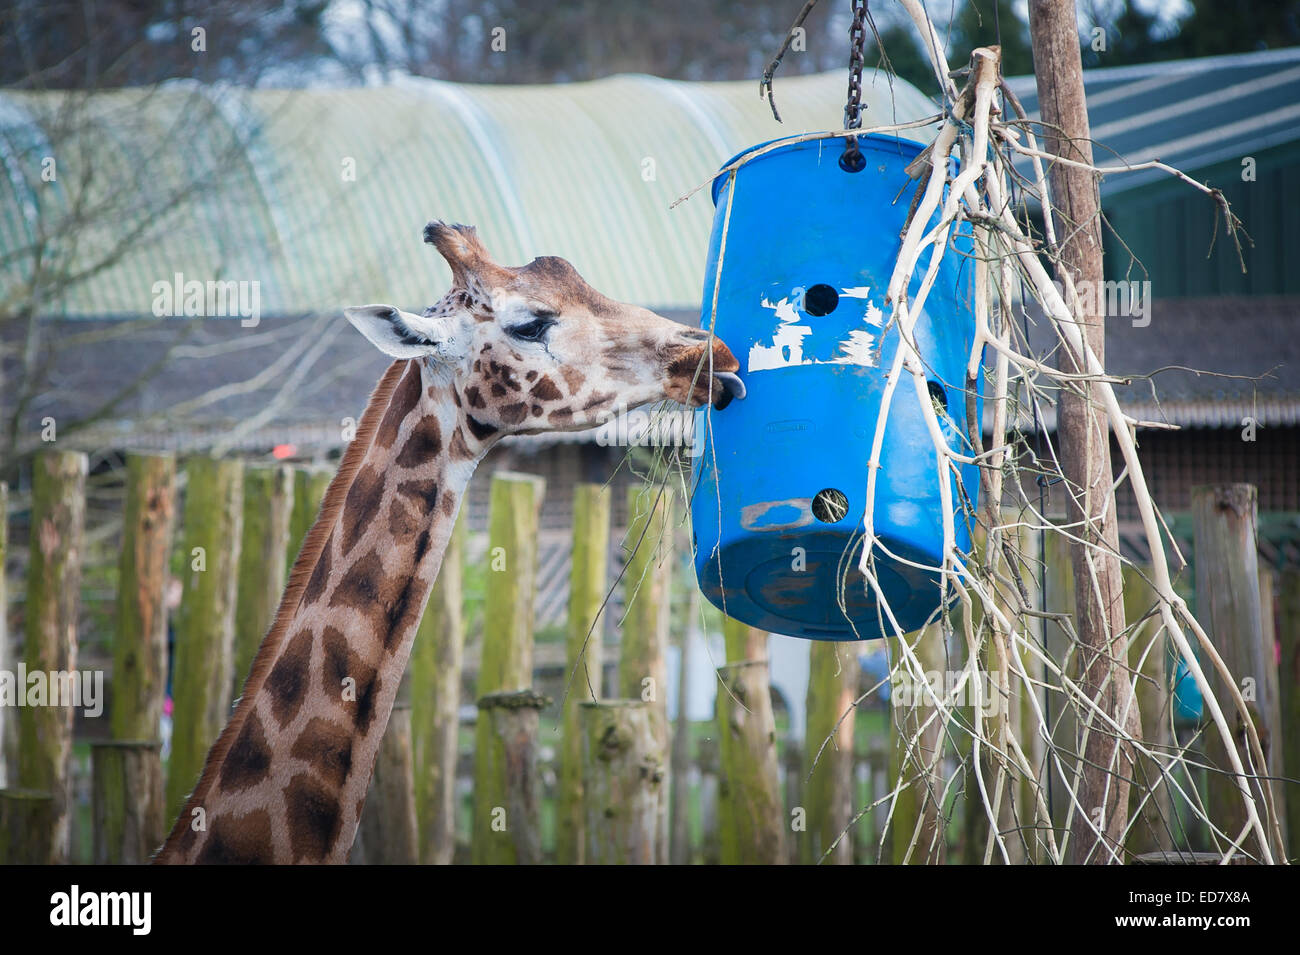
<point x="780" y="478"/>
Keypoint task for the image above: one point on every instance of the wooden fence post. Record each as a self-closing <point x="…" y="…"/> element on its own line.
<point x="792" y="769"/>
<point x="1031" y="740"/>
<point x="309" y="485"/>
<point x="1224" y="524"/>
<point x="643" y="660"/>
<point x="624" y="770"/>
<point x="53" y="602"/>
<point x="508" y="808"/>
<point x="588" y="582"/>
<point x="506" y="661"/>
<point x="389" y="830"/>
<point x="751" y="816"/>
<point x="263" y="557"/>
<point x="1058" y="598"/>
<point x="126" y="801"/>
<point x="1288" y="599"/>
<point x="1151" y="824"/>
<point x="205" y="623"/>
<point x="28" y="820"/>
<point x="706" y="759"/>
<point x="918" y="811"/>
<point x="435" y="708"/>
<point x="140" y="641"/>
<point x="828" y="753"/>
<point x="6" y="724"/>
<point x="1268" y="626"/>
<point x="680" y="769"/>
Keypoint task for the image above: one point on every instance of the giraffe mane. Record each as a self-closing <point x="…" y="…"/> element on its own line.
<point x="312" y="546"/>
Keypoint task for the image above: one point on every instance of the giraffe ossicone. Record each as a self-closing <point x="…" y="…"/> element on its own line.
<point x="507" y="350"/>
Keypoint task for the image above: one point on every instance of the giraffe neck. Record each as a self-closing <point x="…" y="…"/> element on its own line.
<point x="287" y="779"/>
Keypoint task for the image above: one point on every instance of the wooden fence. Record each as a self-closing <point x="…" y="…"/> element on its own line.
<point x="514" y="751"/>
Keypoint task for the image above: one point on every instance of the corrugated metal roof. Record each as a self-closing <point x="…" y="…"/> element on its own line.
<point x="250" y="184"/>
<point x="1188" y="113"/>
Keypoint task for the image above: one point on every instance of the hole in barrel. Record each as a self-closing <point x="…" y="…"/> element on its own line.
<point x="939" y="396"/>
<point x="820" y="299"/>
<point x="830" y="505"/>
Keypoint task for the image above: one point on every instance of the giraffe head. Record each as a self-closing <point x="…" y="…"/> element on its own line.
<point x="535" y="348"/>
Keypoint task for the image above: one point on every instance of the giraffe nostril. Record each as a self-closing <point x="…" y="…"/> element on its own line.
<point x="695" y="334"/>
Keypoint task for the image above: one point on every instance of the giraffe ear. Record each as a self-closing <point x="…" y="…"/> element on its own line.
<point x="402" y="334"/>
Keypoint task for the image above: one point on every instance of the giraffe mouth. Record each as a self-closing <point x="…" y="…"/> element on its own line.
<point x="732" y="388"/>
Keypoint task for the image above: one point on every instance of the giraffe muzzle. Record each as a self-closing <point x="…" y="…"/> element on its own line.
<point x="732" y="388"/>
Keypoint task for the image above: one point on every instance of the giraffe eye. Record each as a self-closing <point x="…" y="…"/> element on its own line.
<point x="534" y="331"/>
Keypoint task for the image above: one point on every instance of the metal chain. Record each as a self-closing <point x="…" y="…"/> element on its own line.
<point x="852" y="157"/>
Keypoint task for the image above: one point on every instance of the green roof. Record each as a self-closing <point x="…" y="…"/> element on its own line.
<point x="239" y="184"/>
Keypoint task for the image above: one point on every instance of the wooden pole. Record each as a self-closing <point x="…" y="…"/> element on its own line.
<point x="1268" y="626"/>
<point x="1288" y="600"/>
<point x="624" y="769"/>
<point x="506" y="663"/>
<point x="707" y="760"/>
<point x="588" y="586"/>
<point x="1154" y="821"/>
<point x="679" y="827"/>
<point x="507" y="807"/>
<point x="435" y="715"/>
<point x="126" y="801"/>
<point x="1058" y="598"/>
<point x="917" y="829"/>
<point x="643" y="663"/>
<point x="50" y="635"/>
<point x="1224" y="524"/>
<point x="29" y="819"/>
<point x="309" y="484"/>
<point x="828" y="753"/>
<point x="7" y="729"/>
<point x="1085" y="439"/>
<point x="1027" y="730"/>
<point x="140" y="643"/>
<point x="205" y="622"/>
<point x="263" y="556"/>
<point x="390" y="833"/>
<point x="507" y="659"/>
<point x="751" y="816"/>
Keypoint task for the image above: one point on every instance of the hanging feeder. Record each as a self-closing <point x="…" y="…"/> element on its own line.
<point x="780" y="478"/>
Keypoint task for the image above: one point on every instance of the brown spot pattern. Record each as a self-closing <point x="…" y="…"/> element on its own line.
<point x="458" y="449"/>
<point x="249" y="760"/>
<point x="545" y="389"/>
<point x="424" y="444"/>
<point x="405" y="396"/>
<point x="341" y="662"/>
<point x="386" y="602"/>
<point x="364" y="499"/>
<point x="245" y="840"/>
<point x="327" y="748"/>
<point x="320" y="574"/>
<point x="288" y="680"/>
<point x="314" y="818"/>
<point x="401" y="525"/>
<point x="422" y="493"/>
<point x="573" y="377"/>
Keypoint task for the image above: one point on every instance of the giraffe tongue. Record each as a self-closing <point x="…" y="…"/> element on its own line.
<point x="732" y="387"/>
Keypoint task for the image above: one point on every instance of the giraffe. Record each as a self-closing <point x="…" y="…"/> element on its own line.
<point x="507" y="350"/>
